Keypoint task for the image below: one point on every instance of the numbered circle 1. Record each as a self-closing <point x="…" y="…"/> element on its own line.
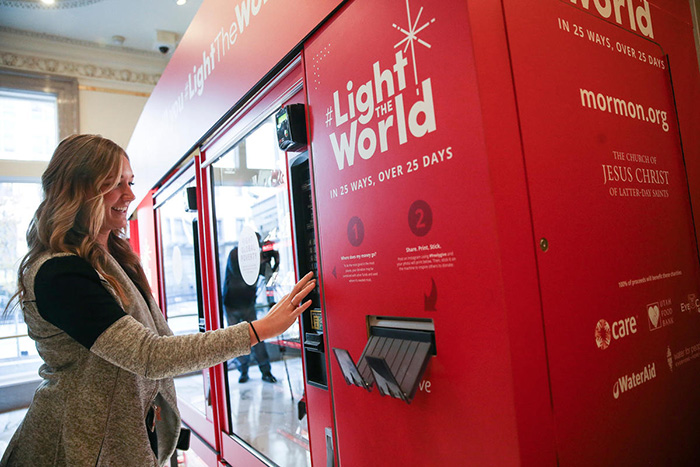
<point x="420" y="218"/>
<point x="356" y="231"/>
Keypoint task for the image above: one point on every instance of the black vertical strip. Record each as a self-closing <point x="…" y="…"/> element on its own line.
<point x="198" y="277"/>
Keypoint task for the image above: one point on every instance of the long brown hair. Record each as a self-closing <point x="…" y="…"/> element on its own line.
<point x="71" y="213"/>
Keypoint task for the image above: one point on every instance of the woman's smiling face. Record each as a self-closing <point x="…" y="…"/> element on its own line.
<point x="116" y="201"/>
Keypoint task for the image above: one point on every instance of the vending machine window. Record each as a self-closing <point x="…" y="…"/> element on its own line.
<point x="252" y="229"/>
<point x="183" y="291"/>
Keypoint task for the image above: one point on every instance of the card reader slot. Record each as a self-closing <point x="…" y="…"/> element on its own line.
<point x="313" y="342"/>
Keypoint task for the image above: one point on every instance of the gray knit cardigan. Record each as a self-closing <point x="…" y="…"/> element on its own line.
<point x="91" y="406"/>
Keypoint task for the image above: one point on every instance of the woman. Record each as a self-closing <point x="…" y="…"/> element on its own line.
<point x="109" y="357"/>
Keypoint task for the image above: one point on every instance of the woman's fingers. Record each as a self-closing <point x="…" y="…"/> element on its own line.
<point x="302" y="283"/>
<point x="281" y="316"/>
<point x="301" y="308"/>
<point x="299" y="296"/>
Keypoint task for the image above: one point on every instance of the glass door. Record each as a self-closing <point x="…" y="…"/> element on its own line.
<point x="183" y="299"/>
<point x="252" y="224"/>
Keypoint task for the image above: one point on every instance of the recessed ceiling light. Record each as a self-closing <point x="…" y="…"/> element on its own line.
<point x="48" y="2"/>
<point x="181" y="2"/>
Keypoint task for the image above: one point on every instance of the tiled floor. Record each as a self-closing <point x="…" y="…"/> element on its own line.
<point x="265" y="415"/>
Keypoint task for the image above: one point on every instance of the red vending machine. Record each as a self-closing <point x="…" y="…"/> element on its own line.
<point x="496" y="197"/>
<point x="407" y="239"/>
<point x="454" y="339"/>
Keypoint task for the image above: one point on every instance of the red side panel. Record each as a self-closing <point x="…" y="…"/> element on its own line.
<point x="516" y="241"/>
<point x="618" y="259"/>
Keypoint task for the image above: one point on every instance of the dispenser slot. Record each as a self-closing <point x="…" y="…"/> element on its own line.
<point x="404" y="361"/>
<point x="349" y="369"/>
<point x="395" y="357"/>
<point x="386" y="383"/>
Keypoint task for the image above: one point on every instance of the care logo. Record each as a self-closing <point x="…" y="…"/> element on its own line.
<point x="602" y="334"/>
<point x="605" y="333"/>
<point x="633" y="380"/>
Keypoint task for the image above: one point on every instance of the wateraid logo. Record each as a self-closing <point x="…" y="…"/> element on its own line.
<point x="604" y="333"/>
<point x="633" y="380"/>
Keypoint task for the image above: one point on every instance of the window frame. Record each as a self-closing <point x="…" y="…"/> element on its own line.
<point x="66" y="91"/>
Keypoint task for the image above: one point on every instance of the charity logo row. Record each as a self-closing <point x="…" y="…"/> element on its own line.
<point x="657" y="315"/>
<point x="642" y="375"/>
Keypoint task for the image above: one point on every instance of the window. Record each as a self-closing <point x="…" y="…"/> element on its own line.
<point x="35" y="113"/>
<point x="29" y="125"/>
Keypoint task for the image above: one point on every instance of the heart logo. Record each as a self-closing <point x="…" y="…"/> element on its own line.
<point x="653" y="311"/>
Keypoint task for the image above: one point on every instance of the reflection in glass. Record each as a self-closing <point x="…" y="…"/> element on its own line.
<point x="256" y="268"/>
<point x="177" y="228"/>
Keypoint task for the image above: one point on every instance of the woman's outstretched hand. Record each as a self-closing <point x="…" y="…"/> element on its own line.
<point x="284" y="312"/>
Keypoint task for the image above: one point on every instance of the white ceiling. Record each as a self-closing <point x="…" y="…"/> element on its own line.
<point x="100" y="20"/>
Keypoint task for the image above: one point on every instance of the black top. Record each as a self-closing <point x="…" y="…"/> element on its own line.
<point x="71" y="296"/>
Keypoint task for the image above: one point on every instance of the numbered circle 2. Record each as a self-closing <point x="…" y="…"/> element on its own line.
<point x="420" y="218"/>
<point x="356" y="231"/>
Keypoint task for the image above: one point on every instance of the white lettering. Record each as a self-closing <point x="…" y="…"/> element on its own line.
<point x="243" y="15"/>
<point x="624" y="327"/>
<point x="639" y="17"/>
<point x="424" y="385"/>
<point x="339" y="118"/>
<point x="633" y="380"/>
<point x="425" y="108"/>
<point x="346" y="149"/>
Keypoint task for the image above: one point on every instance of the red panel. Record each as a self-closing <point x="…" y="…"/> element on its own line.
<point x="517" y="244"/>
<point x="203" y="451"/>
<point x="227" y="49"/>
<point x="383" y="264"/>
<point x="148" y="249"/>
<point x="609" y="194"/>
<point x="134" y="235"/>
<point x="319" y="416"/>
<point x="197" y="422"/>
<point x="676" y="36"/>
<point x="210" y="297"/>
